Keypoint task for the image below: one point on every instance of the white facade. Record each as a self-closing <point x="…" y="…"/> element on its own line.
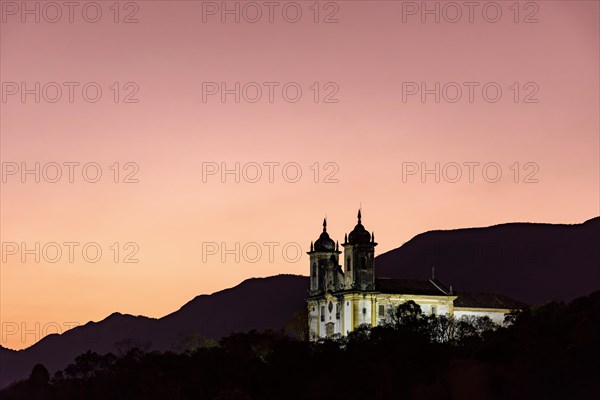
<point x="350" y="310"/>
<point x="495" y="314"/>
<point x="343" y="299"/>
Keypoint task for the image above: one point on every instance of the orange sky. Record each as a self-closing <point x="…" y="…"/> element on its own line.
<point x="368" y="137"/>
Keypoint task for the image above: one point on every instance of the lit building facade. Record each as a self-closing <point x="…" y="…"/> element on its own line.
<point x="342" y="299"/>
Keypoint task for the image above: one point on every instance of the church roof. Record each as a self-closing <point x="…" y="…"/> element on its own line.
<point x="324" y="242"/>
<point x="359" y="234"/>
<point x="487" y="300"/>
<point x="411" y="286"/>
<point x="433" y="287"/>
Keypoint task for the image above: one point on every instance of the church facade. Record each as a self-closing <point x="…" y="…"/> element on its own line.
<point x="342" y="299"/>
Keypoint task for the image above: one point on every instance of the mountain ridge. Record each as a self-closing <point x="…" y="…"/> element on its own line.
<point x="507" y="258"/>
<point x="572" y="252"/>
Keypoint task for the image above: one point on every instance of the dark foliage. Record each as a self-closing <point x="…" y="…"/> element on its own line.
<point x="549" y="352"/>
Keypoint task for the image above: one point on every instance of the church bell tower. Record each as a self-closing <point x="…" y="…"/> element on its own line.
<point x="324" y="264"/>
<point x="359" y="258"/>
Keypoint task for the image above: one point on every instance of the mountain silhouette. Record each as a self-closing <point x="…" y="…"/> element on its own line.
<point x="257" y="303"/>
<point x="534" y="263"/>
<point x="530" y="262"/>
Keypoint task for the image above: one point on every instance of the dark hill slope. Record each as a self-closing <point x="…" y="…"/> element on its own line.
<point x="257" y="303"/>
<point x="530" y="262"/>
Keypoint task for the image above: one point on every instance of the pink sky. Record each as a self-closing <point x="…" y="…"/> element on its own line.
<point x="368" y="134"/>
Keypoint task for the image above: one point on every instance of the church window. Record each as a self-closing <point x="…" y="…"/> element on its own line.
<point x="381" y="310"/>
<point x="349" y="263"/>
<point x="433" y="310"/>
<point x="330" y="306"/>
<point x="314" y="270"/>
<point x="364" y="310"/>
<point x="364" y="263"/>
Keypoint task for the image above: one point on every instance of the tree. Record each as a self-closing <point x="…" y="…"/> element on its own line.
<point x="194" y="341"/>
<point x="297" y="326"/>
<point x="408" y="311"/>
<point x="39" y="375"/>
<point x="441" y="328"/>
<point x="361" y="334"/>
<point x="511" y="317"/>
<point x="470" y="327"/>
<point x="409" y="317"/>
<point x="89" y="364"/>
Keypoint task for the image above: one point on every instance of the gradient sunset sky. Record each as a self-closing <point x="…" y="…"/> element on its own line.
<point x="373" y="53"/>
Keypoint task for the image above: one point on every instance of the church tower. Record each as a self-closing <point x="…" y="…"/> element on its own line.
<point x="359" y="258"/>
<point x="325" y="271"/>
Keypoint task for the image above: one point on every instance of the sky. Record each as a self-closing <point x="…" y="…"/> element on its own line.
<point x="153" y="151"/>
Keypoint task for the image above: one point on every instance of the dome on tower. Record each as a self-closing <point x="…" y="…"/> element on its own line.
<point x="324" y="242"/>
<point x="359" y="234"/>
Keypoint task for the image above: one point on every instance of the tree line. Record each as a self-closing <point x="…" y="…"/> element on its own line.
<point x="546" y="352"/>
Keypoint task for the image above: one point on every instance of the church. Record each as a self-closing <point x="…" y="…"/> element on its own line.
<point x="340" y="300"/>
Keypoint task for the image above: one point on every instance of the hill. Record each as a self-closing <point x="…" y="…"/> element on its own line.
<point x="258" y="303"/>
<point x="530" y="262"/>
<point x="534" y="263"/>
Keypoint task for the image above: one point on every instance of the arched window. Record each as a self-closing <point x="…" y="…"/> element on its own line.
<point x="349" y="264"/>
<point x="314" y="270"/>
<point x="364" y="263"/>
